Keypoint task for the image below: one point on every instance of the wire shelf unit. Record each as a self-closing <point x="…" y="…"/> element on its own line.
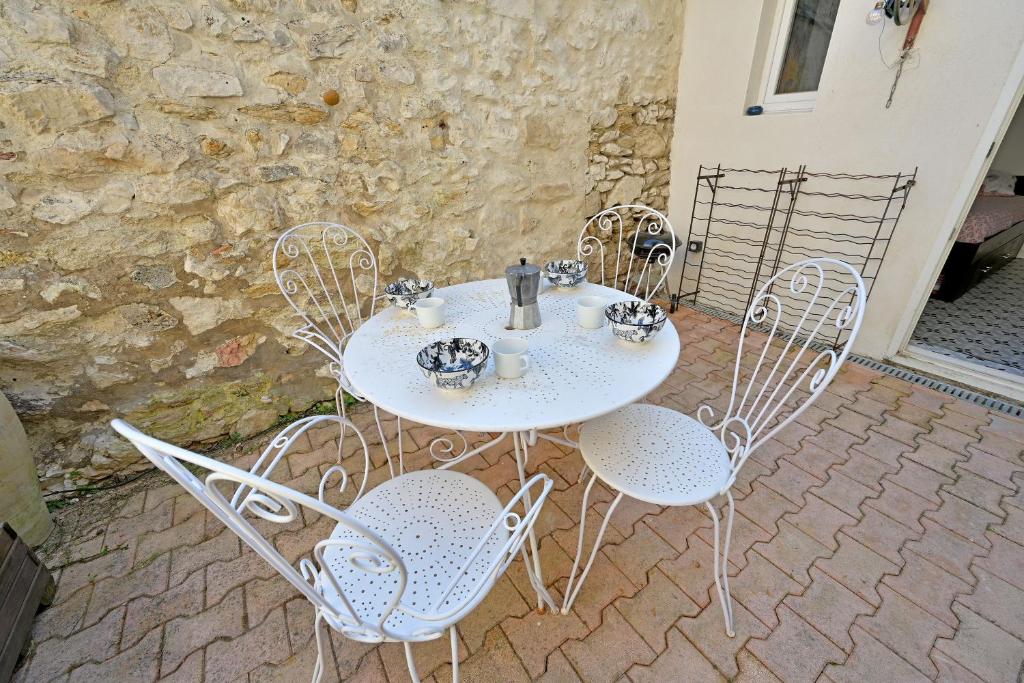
<point x="749" y="223"/>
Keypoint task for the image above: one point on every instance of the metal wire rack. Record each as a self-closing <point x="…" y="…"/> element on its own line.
<point x="746" y="224"/>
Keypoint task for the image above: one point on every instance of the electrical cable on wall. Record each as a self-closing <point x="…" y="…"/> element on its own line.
<point x="902" y="12"/>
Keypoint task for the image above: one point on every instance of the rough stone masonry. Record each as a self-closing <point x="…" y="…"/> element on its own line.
<point x="152" y="150"/>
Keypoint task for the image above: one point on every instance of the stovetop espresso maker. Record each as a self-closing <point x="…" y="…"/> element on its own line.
<point x="523" y="285"/>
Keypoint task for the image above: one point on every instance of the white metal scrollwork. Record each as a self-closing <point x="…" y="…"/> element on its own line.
<point x="443" y="448"/>
<point x="323" y="270"/>
<point x="822" y="298"/>
<point x="355" y="559"/>
<point x="803" y="304"/>
<point x="608" y="250"/>
<point x="328" y="274"/>
<point x="319" y="268"/>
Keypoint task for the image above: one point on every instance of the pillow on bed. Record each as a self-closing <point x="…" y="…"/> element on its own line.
<point x="998" y="184"/>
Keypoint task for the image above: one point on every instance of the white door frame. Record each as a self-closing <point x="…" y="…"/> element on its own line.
<point x="992" y="136"/>
<point x="957" y="371"/>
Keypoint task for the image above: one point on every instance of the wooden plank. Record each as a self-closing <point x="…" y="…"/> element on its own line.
<point x="11" y="607"/>
<point x="9" y="569"/>
<point x="24" y="584"/>
<point x="21" y="629"/>
<point x="15" y="624"/>
<point x="49" y="586"/>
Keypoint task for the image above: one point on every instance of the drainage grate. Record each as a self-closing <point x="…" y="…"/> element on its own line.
<point x="946" y="388"/>
<point x="954" y="390"/>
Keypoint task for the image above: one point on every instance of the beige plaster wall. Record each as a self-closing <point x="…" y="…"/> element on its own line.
<point x="944" y="101"/>
<point x="1010" y="155"/>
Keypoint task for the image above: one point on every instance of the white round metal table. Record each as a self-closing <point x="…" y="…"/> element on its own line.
<point x="575" y="374"/>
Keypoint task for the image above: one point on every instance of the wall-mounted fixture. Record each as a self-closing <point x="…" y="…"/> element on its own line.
<point x="900" y="11"/>
<point x="909" y="13"/>
<point x="877" y="13"/>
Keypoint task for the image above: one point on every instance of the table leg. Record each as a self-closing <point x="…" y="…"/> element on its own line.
<point x="519" y="439"/>
<point x="384" y="440"/>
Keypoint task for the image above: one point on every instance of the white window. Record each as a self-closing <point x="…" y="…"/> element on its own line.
<point x="803" y="31"/>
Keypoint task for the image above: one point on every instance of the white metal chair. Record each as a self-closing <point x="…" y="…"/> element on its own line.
<point x="664" y="457"/>
<point x="637" y="264"/>
<point x="328" y="274"/>
<point x="407" y="560"/>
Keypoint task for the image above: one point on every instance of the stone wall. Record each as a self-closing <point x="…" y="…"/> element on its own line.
<point x="151" y="151"/>
<point x="629" y="157"/>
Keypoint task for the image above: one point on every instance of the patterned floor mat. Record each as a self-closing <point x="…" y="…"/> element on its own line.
<point x="985" y="325"/>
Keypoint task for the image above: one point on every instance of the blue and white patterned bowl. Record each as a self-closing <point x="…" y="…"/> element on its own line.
<point x="635" y="321"/>
<point x="565" y="272"/>
<point x="453" y="363"/>
<point x="405" y="292"/>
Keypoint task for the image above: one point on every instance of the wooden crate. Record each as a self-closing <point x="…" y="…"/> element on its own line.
<point x="25" y="586"/>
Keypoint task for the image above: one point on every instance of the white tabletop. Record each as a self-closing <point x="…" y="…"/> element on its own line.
<point x="575" y="375"/>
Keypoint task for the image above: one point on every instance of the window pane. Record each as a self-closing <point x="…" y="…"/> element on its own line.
<point x="807" y="46"/>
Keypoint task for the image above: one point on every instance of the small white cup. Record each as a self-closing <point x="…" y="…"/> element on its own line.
<point x="510" y="359"/>
<point x="430" y="311"/>
<point x="590" y="312"/>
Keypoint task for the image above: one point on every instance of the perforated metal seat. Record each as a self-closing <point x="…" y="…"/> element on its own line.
<point x="434" y="520"/>
<point x="406" y="561"/>
<point x="660" y="456"/>
<point x="656" y="454"/>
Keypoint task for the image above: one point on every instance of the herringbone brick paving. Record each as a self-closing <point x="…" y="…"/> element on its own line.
<point x="878" y="538"/>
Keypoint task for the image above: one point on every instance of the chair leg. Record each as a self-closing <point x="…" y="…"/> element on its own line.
<point x="401" y="452"/>
<point x="318" y="632"/>
<point x="571" y="591"/>
<point x="339" y="406"/>
<point x="455" y="653"/>
<point x="579" y="543"/>
<point x="411" y="663"/>
<point x="522" y="455"/>
<point x="722" y="563"/>
<point x="384" y="442"/>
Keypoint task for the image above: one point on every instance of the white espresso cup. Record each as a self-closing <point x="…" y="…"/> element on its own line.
<point x="590" y="311"/>
<point x="510" y="359"/>
<point x="430" y="311"/>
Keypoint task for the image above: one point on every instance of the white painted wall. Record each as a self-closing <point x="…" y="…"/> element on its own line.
<point x="1010" y="157"/>
<point x="943" y="108"/>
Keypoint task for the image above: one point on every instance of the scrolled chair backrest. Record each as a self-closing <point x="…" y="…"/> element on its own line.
<point x="249" y="503"/>
<point x="328" y="274"/>
<point x="346" y="479"/>
<point x="796" y="322"/>
<point x="611" y="252"/>
<point x="238" y="498"/>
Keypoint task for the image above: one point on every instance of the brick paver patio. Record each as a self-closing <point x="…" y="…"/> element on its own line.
<point x="879" y="538"/>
